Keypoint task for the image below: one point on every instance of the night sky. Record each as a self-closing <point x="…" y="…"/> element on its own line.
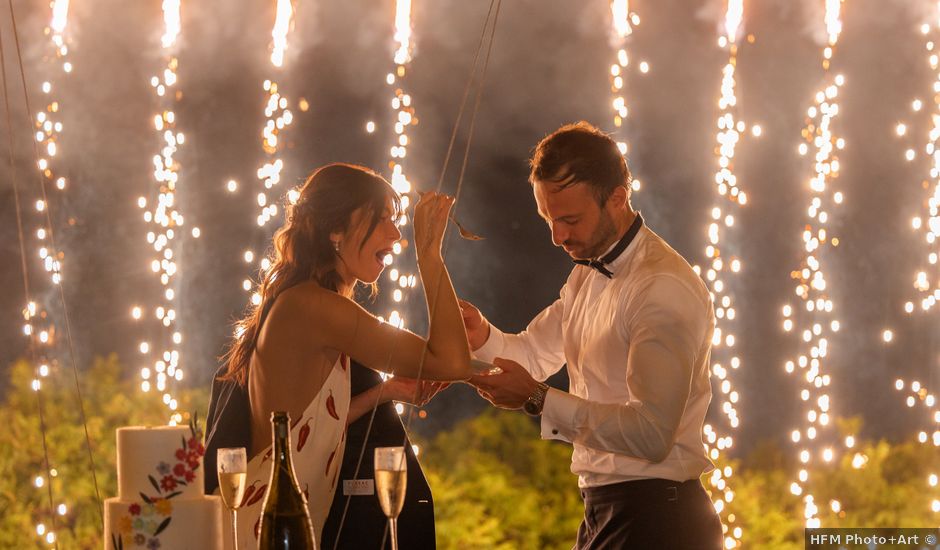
<point x="550" y="66"/>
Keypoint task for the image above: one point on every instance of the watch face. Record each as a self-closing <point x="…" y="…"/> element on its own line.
<point x="530" y="407"/>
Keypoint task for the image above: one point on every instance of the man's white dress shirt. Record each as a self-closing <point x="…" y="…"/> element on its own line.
<point x="637" y="347"/>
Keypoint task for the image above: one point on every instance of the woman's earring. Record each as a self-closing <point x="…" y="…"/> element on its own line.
<point x="336" y="246"/>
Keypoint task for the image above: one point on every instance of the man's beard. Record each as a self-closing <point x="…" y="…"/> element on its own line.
<point x="601" y="239"/>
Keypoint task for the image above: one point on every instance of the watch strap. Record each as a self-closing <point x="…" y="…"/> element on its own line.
<point x="536" y="401"/>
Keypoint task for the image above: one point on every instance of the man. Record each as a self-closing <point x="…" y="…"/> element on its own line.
<point x="634" y="325"/>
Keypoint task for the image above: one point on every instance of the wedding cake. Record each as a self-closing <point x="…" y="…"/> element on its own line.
<point x="161" y="502"/>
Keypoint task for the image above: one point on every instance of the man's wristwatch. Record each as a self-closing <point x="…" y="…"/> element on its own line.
<point x="533" y="405"/>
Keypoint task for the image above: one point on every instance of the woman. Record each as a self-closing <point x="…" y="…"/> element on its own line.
<point x="292" y="350"/>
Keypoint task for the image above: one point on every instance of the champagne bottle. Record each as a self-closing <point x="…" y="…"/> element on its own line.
<point x="285" y="522"/>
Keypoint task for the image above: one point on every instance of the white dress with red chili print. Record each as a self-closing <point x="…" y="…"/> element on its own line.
<point x="317" y="444"/>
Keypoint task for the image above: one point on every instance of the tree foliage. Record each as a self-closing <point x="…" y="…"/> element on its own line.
<point x="873" y="484"/>
<point x="496" y="484"/>
<point x="111" y="399"/>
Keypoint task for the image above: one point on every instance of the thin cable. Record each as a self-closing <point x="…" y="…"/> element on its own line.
<point x="362" y="452"/>
<point x="463" y="101"/>
<point x="492" y="31"/>
<point x="473" y="117"/>
<point x="65" y="311"/>
<point x="45" y="453"/>
<point x="444" y="246"/>
<point x="25" y="271"/>
<point x="463" y="167"/>
<point x="476" y="108"/>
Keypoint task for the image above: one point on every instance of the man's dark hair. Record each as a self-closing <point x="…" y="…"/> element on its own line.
<point x="580" y="153"/>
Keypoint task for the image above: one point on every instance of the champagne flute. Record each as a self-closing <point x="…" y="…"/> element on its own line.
<point x="391" y="480"/>
<point x="233" y="472"/>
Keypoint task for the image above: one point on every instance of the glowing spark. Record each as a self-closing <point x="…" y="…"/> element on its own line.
<point x="40" y="326"/>
<point x="928" y="223"/>
<point x="278" y="116"/>
<point x="166" y="221"/>
<point x="813" y="321"/>
<point x="720" y="271"/>
<point x="925" y="282"/>
<point x="833" y="23"/>
<point x="623" y="23"/>
<point x="733" y="19"/>
<point x="282" y="21"/>
<point x="60" y="15"/>
<point x="171" y="20"/>
<point x="404" y="117"/>
<point x="620" y="9"/>
<point x="403" y="31"/>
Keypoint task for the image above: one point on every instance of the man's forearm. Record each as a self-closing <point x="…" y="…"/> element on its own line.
<point x="617" y="428"/>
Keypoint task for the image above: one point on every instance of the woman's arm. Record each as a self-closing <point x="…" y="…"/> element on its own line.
<point x="447" y="337"/>
<point x="338" y="323"/>
<point x="406" y="390"/>
<point x="364" y="402"/>
<point x="445" y="355"/>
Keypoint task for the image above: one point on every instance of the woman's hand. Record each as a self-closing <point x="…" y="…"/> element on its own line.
<point x="408" y="390"/>
<point x="430" y="223"/>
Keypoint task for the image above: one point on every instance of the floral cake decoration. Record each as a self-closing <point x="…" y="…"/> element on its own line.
<point x="142" y="523"/>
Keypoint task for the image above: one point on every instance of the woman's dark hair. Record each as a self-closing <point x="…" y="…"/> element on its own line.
<point x="580" y="153"/>
<point x="302" y="248"/>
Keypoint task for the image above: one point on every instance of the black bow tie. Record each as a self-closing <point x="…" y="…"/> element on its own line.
<point x="622" y="244"/>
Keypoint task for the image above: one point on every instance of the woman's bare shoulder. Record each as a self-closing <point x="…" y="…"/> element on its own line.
<point x="304" y="292"/>
<point x="310" y="302"/>
<point x="294" y="324"/>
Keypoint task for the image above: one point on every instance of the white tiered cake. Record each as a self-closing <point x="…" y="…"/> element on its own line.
<point x="161" y="501"/>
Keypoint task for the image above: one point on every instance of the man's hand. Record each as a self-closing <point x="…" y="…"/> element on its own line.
<point x="478" y="328"/>
<point x="408" y="390"/>
<point x="509" y="389"/>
